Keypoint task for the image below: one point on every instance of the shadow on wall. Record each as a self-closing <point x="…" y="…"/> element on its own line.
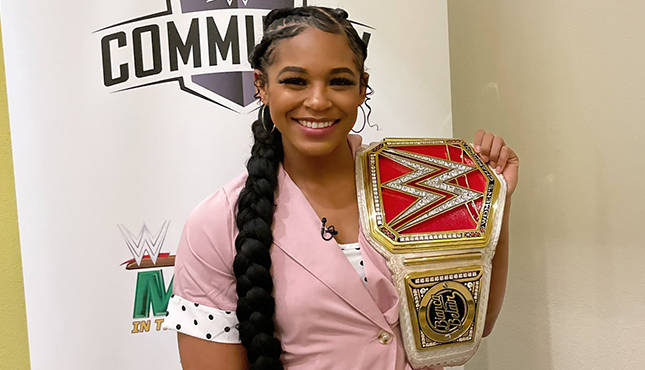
<point x="521" y="318"/>
<point x="474" y="49"/>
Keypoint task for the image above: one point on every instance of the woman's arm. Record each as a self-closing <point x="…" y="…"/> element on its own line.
<point x="200" y="354"/>
<point x="494" y="151"/>
<point x="498" y="275"/>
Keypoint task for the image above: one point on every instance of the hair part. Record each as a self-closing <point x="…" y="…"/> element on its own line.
<point x="285" y="23"/>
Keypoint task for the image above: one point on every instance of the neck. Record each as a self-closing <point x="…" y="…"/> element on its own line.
<point x="314" y="171"/>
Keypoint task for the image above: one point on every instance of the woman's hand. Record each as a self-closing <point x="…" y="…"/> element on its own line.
<point x="494" y="151"/>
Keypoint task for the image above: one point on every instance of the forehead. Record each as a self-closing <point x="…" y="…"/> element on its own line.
<point x="314" y="50"/>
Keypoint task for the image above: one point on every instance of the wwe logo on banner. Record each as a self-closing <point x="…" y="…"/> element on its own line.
<point x="203" y="46"/>
<point x="145" y="243"/>
<point x="230" y="2"/>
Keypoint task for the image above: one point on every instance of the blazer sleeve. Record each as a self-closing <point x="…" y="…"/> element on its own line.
<point x="204" y="261"/>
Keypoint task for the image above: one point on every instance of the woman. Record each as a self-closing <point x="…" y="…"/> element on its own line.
<point x="301" y="304"/>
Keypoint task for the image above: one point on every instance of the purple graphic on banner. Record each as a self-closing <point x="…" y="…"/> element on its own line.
<point x="188" y="6"/>
<point x="235" y="86"/>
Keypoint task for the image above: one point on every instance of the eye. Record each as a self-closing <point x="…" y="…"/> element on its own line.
<point x="298" y="81"/>
<point x="341" y="81"/>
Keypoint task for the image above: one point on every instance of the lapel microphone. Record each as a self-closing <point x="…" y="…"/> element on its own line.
<point x="327" y="233"/>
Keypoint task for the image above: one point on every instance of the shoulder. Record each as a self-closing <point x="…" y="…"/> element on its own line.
<point x="218" y="204"/>
<point x="210" y="227"/>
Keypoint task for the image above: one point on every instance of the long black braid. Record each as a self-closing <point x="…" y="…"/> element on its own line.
<point x="256" y="203"/>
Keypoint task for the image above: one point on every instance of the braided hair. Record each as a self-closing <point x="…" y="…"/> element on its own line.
<point x="255" y="205"/>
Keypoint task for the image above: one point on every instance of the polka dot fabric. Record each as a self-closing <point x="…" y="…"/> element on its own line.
<point x="221" y="326"/>
<point x="353" y="253"/>
<point x="201" y="321"/>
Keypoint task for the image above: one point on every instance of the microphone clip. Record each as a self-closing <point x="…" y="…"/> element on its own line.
<point x="327" y="233"/>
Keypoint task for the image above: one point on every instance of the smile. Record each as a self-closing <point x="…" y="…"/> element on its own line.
<point x="315" y="124"/>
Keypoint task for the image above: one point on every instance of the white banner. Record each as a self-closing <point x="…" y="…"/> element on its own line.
<point x="125" y="114"/>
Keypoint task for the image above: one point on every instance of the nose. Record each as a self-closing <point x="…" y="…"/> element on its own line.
<point x="317" y="99"/>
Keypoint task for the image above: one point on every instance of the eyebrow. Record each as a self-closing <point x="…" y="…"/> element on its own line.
<point x="342" y="70"/>
<point x="302" y="70"/>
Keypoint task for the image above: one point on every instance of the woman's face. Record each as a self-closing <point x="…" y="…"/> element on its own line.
<point x="313" y="89"/>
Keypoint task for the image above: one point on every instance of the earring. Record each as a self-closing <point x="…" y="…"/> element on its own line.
<point x="262" y="119"/>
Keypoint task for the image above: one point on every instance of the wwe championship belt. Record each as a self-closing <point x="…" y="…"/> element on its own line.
<point x="433" y="209"/>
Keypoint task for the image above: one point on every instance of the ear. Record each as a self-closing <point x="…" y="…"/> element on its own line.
<point x="259" y="80"/>
<point x="365" y="77"/>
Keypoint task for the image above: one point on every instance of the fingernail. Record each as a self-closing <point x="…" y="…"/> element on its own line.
<point x="477" y="148"/>
<point x="498" y="169"/>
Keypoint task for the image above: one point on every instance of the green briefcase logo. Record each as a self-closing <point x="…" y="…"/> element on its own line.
<point x="151" y="294"/>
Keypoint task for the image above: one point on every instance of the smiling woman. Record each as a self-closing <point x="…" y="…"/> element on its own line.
<point x="255" y="284"/>
<point x="313" y="89"/>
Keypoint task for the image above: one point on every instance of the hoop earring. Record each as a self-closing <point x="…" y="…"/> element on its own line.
<point x="366" y="116"/>
<point x="262" y="119"/>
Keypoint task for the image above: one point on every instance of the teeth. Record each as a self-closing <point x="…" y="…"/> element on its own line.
<point x="315" y="124"/>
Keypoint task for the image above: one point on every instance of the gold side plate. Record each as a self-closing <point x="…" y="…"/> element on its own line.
<point x="443" y="305"/>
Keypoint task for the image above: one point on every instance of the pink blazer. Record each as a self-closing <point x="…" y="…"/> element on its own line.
<point x="326" y="318"/>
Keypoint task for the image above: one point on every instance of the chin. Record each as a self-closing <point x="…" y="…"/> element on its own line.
<point x="318" y="149"/>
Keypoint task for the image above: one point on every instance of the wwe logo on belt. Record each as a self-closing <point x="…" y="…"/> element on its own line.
<point x="442" y="172"/>
<point x="202" y="45"/>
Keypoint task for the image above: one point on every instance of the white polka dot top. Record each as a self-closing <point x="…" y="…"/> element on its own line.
<point x="215" y="325"/>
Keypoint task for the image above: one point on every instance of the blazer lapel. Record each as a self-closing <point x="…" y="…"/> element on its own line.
<point x="296" y="231"/>
<point x="380" y="284"/>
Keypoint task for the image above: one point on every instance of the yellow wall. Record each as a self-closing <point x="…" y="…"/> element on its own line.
<point x="14" y="351"/>
<point x="564" y="83"/>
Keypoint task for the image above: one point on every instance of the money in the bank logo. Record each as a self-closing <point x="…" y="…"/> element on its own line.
<point x="153" y="268"/>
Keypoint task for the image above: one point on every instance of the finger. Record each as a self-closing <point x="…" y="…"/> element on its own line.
<point x="477" y="141"/>
<point x="484" y="149"/>
<point x="498" y="143"/>
<point x="503" y="158"/>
